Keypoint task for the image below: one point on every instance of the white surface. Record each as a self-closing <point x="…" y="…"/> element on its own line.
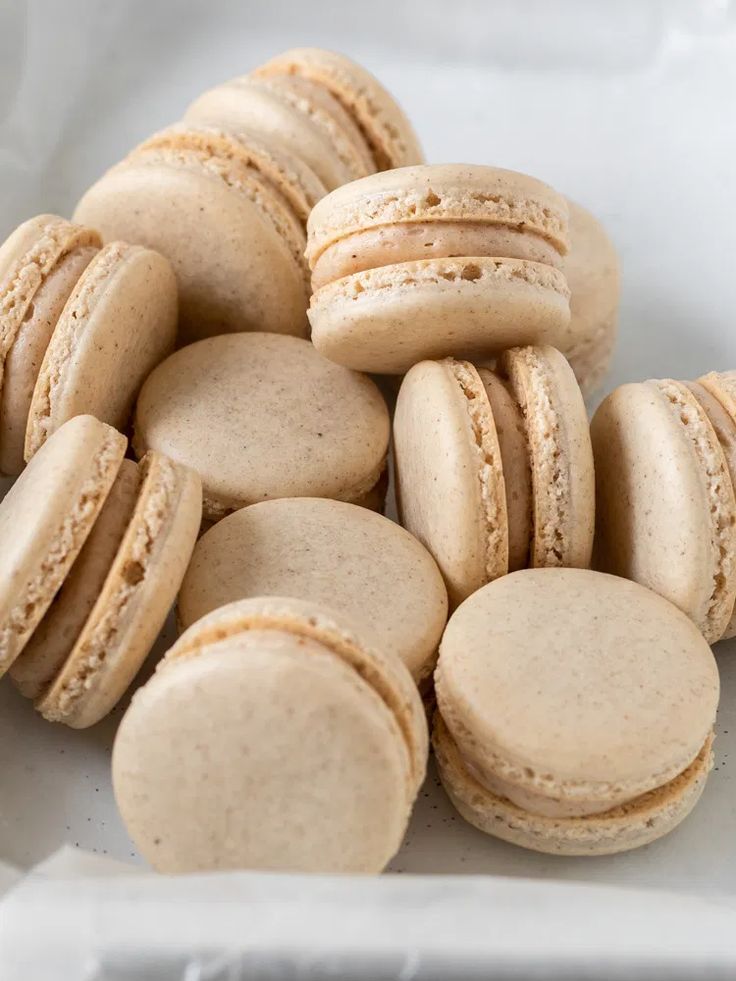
<point x="628" y="108"/>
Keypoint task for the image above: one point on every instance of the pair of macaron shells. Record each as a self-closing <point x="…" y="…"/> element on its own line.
<point x="665" y="455"/>
<point x="94" y="550"/>
<point x="81" y="325"/>
<point x="226" y="194"/>
<point x="460" y="260"/>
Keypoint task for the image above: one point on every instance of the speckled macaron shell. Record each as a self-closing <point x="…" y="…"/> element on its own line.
<point x="617" y="670"/>
<point x="560" y="455"/>
<point x="118" y="323"/>
<point x="358" y="563"/>
<point x="295" y="114"/>
<point x="315" y="742"/>
<point x="228" y="213"/>
<point x="591" y="268"/>
<point x="261" y="416"/>
<point x="665" y="502"/>
<point x="135" y="598"/>
<point x="648" y="817"/>
<point x="387" y="131"/>
<point x="45" y="519"/>
<point x="23" y="360"/>
<point x="449" y="474"/>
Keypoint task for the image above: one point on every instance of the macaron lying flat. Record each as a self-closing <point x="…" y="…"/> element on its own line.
<point x="576" y="712"/>
<point x="97" y="547"/>
<point x="494" y="470"/>
<point x="261" y="416"/>
<point x="311" y="745"/>
<point x="664" y="456"/>
<point x="358" y="563"/>
<point x="592" y="273"/>
<point x="429" y="261"/>
<point x="80" y="328"/>
<point x="229" y="212"/>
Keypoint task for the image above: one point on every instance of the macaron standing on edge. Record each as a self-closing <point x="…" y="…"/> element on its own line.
<point x="494" y="469"/>
<point x="358" y="563"/>
<point x="261" y="416"/>
<point x="80" y="328"/>
<point x="312" y="744"/>
<point x="575" y="712"/>
<point x="430" y="261"/>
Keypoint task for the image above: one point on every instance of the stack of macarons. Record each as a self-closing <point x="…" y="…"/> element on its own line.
<point x="81" y="326"/>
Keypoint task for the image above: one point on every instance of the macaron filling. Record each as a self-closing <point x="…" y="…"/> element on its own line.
<point x="404" y="242"/>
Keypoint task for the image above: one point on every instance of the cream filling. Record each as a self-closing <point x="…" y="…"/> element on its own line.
<point x="407" y="241"/>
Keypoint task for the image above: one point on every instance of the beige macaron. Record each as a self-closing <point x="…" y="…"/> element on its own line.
<point x="576" y="712"/>
<point x="273" y="738"/>
<point x="592" y="271"/>
<point x="229" y="212"/>
<point x="358" y="563"/>
<point x="494" y="470"/>
<point x="80" y="328"/>
<point x="428" y="261"/>
<point x="263" y="415"/>
<point x="665" y="457"/>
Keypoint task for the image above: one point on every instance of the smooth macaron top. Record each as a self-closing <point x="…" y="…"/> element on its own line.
<point x="312" y="746"/>
<point x="665" y="498"/>
<point x="346" y="557"/>
<point x="388" y="133"/>
<point x="494" y="470"/>
<point x="261" y="415"/>
<point x="570" y="691"/>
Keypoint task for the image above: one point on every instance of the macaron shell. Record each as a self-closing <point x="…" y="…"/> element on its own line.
<point x="119" y="322"/>
<point x="388" y="132"/>
<point x="388" y="244"/>
<point x="560" y="455"/>
<point x="358" y="563"/>
<point x="234" y="270"/>
<point x="45" y="519"/>
<point x="24" y="359"/>
<point x="616" y="669"/>
<point x="387" y="319"/>
<point x="51" y="642"/>
<point x="305" y="769"/>
<point x="628" y="826"/>
<point x="592" y="271"/>
<point x="650" y="449"/>
<point x="439" y="193"/>
<point x="449" y="484"/>
<point x="262" y="416"/>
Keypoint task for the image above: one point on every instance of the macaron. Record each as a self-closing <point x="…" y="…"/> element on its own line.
<point x="262" y="416"/>
<point x="229" y="212"/>
<point x="80" y="328"/>
<point x="591" y="268"/>
<point x="576" y="712"/>
<point x="494" y="469"/>
<point x="427" y="261"/>
<point x="665" y="454"/>
<point x="92" y="574"/>
<point x="357" y="562"/>
<point x="271" y="737"/>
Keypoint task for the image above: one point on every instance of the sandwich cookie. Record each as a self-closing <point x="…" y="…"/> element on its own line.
<point x="358" y="563"/>
<point x="592" y="271"/>
<point x="272" y="738"/>
<point x="80" y="328"/>
<point x="494" y="469"/>
<point x="665" y="455"/>
<point x="429" y="261"/>
<point x="576" y="712"/>
<point x="261" y="416"/>
<point x="229" y="212"/>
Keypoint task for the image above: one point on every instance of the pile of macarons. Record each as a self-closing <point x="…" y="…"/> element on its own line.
<point x="266" y="320"/>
